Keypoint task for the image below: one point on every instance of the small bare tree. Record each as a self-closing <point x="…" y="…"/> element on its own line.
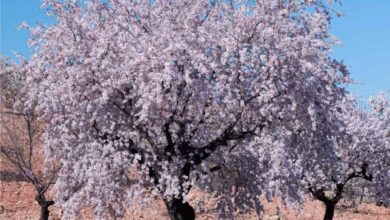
<point x="20" y="135"/>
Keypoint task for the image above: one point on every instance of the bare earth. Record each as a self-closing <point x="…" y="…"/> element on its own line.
<point x="17" y="202"/>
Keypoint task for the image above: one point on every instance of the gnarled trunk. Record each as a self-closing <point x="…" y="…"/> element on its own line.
<point x="180" y="211"/>
<point x="44" y="213"/>
<point x="44" y="206"/>
<point x="330" y="208"/>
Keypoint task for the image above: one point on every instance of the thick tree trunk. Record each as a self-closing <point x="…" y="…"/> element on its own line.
<point x="180" y="211"/>
<point x="330" y="208"/>
<point x="44" y="212"/>
<point x="44" y="207"/>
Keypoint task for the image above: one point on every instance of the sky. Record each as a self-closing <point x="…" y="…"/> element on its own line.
<point x="364" y="32"/>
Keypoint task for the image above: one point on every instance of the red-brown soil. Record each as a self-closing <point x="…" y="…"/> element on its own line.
<point x="17" y="202"/>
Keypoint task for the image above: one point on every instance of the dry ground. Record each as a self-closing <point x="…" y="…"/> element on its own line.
<point x="17" y="202"/>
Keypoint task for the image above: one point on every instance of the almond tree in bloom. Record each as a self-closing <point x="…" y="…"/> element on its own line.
<point x="360" y="151"/>
<point x="167" y="87"/>
<point x="20" y="132"/>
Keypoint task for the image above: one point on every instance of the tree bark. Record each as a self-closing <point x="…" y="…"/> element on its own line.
<point x="330" y="208"/>
<point x="44" y="206"/>
<point x="180" y="211"/>
<point x="44" y="212"/>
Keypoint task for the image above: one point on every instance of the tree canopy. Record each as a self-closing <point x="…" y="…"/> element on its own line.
<point x="169" y="88"/>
